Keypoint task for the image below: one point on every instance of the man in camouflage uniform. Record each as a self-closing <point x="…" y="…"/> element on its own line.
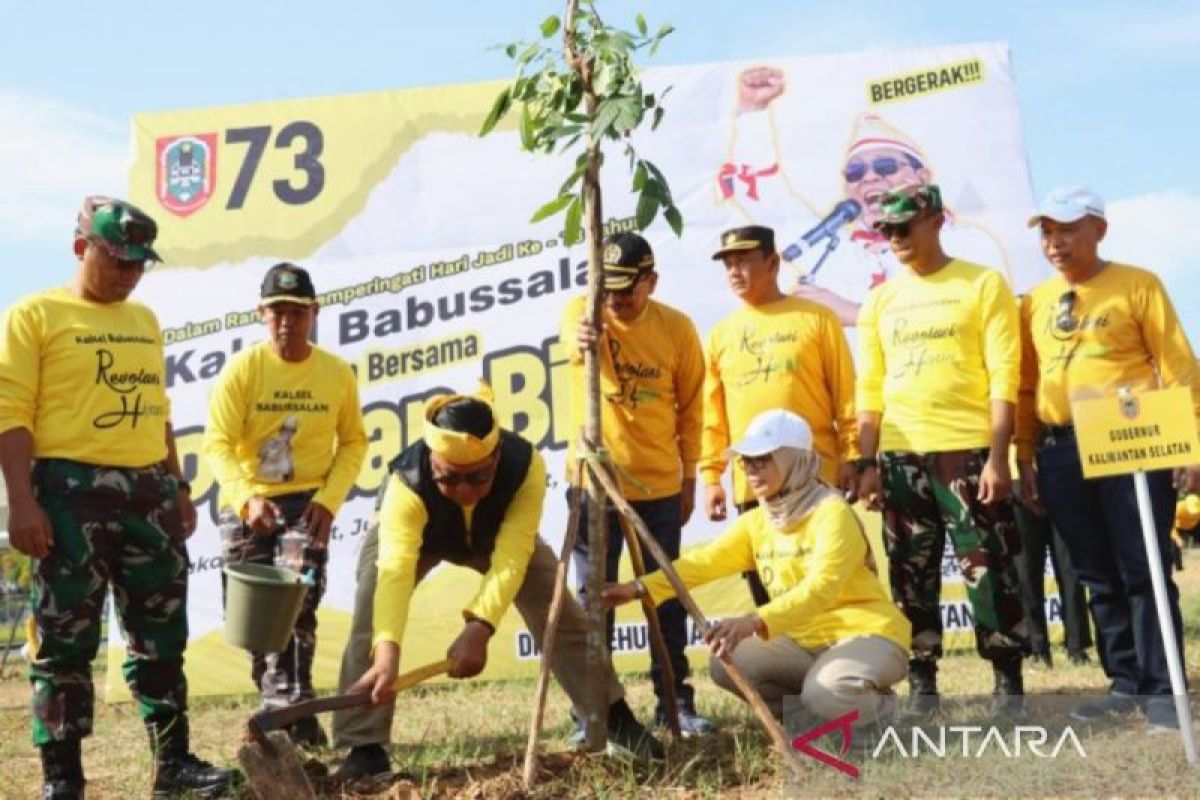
<point x="939" y="370"/>
<point x="96" y="497"/>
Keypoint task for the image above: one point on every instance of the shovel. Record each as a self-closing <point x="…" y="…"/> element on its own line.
<point x="273" y="765"/>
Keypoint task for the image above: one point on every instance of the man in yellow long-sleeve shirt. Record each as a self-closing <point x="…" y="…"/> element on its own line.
<point x="651" y="376"/>
<point x="773" y="352"/>
<point x="470" y="494"/>
<point x="96" y="496"/>
<point x="939" y="365"/>
<point x="1095" y="327"/>
<point x="285" y="441"/>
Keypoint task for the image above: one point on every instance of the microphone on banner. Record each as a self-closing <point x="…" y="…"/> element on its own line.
<point x="843" y="213"/>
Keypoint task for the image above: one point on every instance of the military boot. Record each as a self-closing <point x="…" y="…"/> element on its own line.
<point x="923" y="698"/>
<point x="62" y="770"/>
<point x="176" y="770"/>
<point x="1008" y="696"/>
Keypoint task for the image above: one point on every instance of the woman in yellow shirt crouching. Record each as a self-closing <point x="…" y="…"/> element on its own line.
<point x="829" y="633"/>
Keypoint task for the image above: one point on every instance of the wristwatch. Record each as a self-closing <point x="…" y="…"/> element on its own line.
<point x="640" y="588"/>
<point x="863" y="464"/>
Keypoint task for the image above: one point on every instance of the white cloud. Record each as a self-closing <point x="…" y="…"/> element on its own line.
<point x="1161" y="231"/>
<point x="51" y="156"/>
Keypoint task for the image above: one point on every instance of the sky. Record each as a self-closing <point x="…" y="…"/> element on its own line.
<point x="1108" y="90"/>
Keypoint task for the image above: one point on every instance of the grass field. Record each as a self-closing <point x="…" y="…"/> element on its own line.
<point x="466" y="741"/>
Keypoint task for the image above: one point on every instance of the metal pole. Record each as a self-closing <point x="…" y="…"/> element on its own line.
<point x="1165" y="620"/>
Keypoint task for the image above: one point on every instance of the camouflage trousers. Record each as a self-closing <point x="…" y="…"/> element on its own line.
<point x="282" y="678"/>
<point x="111" y="526"/>
<point x="925" y="497"/>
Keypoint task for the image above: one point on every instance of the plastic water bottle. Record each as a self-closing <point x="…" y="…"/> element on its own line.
<point x="290" y="550"/>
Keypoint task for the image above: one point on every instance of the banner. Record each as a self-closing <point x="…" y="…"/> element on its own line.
<point x="417" y="235"/>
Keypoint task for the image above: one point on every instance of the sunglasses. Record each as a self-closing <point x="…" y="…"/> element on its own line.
<point x="1065" y="320"/>
<point x="476" y="477"/>
<point x="883" y="166"/>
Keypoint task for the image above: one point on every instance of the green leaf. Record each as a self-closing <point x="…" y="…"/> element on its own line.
<point x="511" y="50"/>
<point x="674" y="219"/>
<point x="641" y="24"/>
<point x="648" y="99"/>
<point x="499" y="109"/>
<point x="550" y="26"/>
<point x="647" y="207"/>
<point x="629" y="113"/>
<point x="553" y="207"/>
<point x="527" y="128"/>
<point x="573" y="225"/>
<point x="639" y="177"/>
<point x="658" y="117"/>
<point x="606" y="112"/>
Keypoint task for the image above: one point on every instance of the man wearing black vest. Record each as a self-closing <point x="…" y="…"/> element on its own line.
<point x="470" y="494"/>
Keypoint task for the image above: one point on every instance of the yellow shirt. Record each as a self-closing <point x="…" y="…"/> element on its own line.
<point x="790" y="354"/>
<point x="934" y="351"/>
<point x="651" y="381"/>
<point x="276" y="427"/>
<point x="1127" y="335"/>
<point x="86" y="379"/>
<point x="817" y="575"/>
<point x="402" y="521"/>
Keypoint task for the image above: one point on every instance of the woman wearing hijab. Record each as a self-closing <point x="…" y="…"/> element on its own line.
<point x="829" y="633"/>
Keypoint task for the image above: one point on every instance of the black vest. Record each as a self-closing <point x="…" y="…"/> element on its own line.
<point x="445" y="535"/>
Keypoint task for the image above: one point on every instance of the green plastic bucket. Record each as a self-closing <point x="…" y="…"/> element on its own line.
<point x="261" y="606"/>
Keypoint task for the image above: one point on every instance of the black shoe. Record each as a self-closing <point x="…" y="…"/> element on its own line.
<point x="1160" y="715"/>
<point x="63" y="790"/>
<point x="1110" y="705"/>
<point x="690" y="723"/>
<point x="306" y="732"/>
<point x="1079" y="658"/>
<point x="627" y="737"/>
<point x="364" y="761"/>
<point x="180" y="774"/>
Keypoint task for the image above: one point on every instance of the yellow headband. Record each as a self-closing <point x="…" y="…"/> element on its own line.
<point x="455" y="446"/>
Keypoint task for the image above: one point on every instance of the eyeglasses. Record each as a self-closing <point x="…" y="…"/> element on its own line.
<point x="476" y="477"/>
<point x="1065" y="320"/>
<point x="754" y="463"/>
<point x="883" y="166"/>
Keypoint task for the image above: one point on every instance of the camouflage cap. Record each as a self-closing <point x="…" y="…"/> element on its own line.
<point x="748" y="237"/>
<point x="120" y="228"/>
<point x="905" y="202"/>
<point x="627" y="257"/>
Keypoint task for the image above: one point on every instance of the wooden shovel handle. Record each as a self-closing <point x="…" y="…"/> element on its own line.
<point x="421" y="674"/>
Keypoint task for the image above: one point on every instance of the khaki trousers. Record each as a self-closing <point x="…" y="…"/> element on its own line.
<point x="832" y="681"/>
<point x="373" y="725"/>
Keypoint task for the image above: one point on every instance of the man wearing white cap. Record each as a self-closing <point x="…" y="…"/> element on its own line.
<point x="1096" y="326"/>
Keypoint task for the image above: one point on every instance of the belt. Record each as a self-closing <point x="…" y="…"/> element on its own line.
<point x="1053" y="433"/>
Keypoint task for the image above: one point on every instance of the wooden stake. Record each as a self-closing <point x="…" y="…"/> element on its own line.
<point x="556" y="602"/>
<point x="747" y="690"/>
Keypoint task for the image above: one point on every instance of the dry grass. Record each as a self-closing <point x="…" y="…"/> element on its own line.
<point x="466" y="741"/>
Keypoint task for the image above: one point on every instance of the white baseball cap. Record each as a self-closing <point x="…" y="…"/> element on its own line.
<point x="1068" y="204"/>
<point x="772" y="430"/>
